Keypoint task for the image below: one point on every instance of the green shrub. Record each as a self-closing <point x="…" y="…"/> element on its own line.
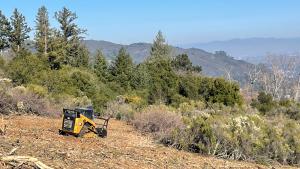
<point x="285" y="103"/>
<point x="191" y="108"/>
<point x="24" y="69"/>
<point x="293" y="113"/>
<point x="214" y="90"/>
<point x="220" y="91"/>
<point x="226" y="137"/>
<point x="163" y="82"/>
<point x="38" y="90"/>
<point x="200" y="136"/>
<point x="2" y="62"/>
<point x="177" y="99"/>
<point x="119" y="116"/>
<point x="76" y="82"/>
<point x="238" y="136"/>
<point x="84" y="82"/>
<point x="189" y="86"/>
<point x="264" y="102"/>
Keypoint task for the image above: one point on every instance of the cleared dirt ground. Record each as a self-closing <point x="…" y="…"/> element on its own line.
<point x="123" y="148"/>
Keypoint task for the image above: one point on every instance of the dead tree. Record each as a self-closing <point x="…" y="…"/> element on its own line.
<point x="254" y="75"/>
<point x="279" y="77"/>
<point x="227" y="73"/>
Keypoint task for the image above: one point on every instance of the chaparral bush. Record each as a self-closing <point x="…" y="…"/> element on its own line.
<point x="159" y="119"/>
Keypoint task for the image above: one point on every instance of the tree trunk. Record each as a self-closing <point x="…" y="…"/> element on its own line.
<point x="296" y="98"/>
<point x="45" y="42"/>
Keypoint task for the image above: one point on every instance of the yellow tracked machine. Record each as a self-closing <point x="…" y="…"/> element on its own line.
<point x="80" y="122"/>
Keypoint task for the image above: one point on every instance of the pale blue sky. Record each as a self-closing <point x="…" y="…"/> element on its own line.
<point x="182" y="21"/>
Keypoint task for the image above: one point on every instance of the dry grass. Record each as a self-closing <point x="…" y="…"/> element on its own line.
<point x="123" y="148"/>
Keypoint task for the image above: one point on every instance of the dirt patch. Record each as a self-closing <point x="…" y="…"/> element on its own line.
<point x="123" y="148"/>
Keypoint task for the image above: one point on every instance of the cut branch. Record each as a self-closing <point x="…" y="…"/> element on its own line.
<point x="22" y="159"/>
<point x="2" y="127"/>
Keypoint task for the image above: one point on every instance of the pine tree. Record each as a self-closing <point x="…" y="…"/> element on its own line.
<point x="140" y="77"/>
<point x="100" y="66"/>
<point x="121" y="69"/>
<point x="5" y="29"/>
<point x="42" y="34"/>
<point x="19" y="32"/>
<point x="82" y="58"/>
<point x="57" y="49"/>
<point x="159" y="48"/>
<point x="183" y="63"/>
<point x="163" y="80"/>
<point x="66" y="19"/>
<point x="76" y="54"/>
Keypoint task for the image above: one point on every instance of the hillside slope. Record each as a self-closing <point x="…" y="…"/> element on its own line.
<point x="123" y="148"/>
<point x="252" y="49"/>
<point x="213" y="65"/>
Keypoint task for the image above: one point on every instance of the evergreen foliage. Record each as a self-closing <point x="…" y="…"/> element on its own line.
<point x="75" y="53"/>
<point x="163" y="80"/>
<point x="159" y="48"/>
<point x="189" y="86"/>
<point x="155" y="80"/>
<point x="183" y="63"/>
<point x="264" y="102"/>
<point x="140" y="78"/>
<point x="122" y="69"/>
<point x="220" y="91"/>
<point x="42" y="33"/>
<point x="19" y="32"/>
<point x="22" y="70"/>
<point x="101" y="66"/>
<point x="5" y="29"/>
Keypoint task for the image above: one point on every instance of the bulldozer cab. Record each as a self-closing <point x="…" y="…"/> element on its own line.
<point x="69" y="118"/>
<point x="89" y="113"/>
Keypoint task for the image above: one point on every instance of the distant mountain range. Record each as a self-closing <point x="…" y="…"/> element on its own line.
<point x="252" y="49"/>
<point x="213" y="65"/>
